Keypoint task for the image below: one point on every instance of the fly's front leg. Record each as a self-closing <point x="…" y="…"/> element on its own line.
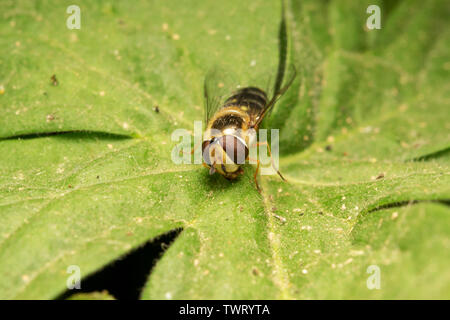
<point x="192" y="150"/>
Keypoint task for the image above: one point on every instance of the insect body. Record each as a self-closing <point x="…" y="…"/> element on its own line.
<point x="231" y="127"/>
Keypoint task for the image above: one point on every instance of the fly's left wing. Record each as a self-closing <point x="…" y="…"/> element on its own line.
<point x="218" y="86"/>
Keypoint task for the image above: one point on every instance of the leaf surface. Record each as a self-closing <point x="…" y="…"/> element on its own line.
<point x="86" y="173"/>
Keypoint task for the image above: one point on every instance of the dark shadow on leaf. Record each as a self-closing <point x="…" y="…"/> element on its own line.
<point x="434" y="155"/>
<point x="406" y="203"/>
<point x="389" y="7"/>
<point x="216" y="181"/>
<point x="125" y="277"/>
<point x="70" y="135"/>
<point x="282" y="49"/>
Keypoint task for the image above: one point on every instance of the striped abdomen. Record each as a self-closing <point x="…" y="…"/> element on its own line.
<point x="250" y="100"/>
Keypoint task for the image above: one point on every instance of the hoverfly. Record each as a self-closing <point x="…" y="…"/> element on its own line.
<point x="233" y="116"/>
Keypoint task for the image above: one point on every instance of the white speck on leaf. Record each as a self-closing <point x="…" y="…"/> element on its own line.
<point x="25" y="278"/>
<point x="138" y="220"/>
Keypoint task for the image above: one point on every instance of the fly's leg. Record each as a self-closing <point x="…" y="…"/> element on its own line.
<point x="271" y="159"/>
<point x="192" y="150"/>
<point x="255" y="177"/>
<point x="256" y="173"/>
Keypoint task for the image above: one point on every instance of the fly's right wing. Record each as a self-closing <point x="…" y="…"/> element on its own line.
<point x="277" y="87"/>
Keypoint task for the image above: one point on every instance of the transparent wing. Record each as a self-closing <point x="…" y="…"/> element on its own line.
<point x="218" y="86"/>
<point x="276" y="87"/>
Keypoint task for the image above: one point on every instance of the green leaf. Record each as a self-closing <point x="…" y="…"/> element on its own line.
<point x="86" y="174"/>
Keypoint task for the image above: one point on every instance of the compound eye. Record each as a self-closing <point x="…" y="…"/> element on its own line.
<point x="235" y="148"/>
<point x="205" y="151"/>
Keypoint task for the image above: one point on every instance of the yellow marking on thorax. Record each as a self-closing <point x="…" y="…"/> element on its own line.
<point x="235" y="110"/>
